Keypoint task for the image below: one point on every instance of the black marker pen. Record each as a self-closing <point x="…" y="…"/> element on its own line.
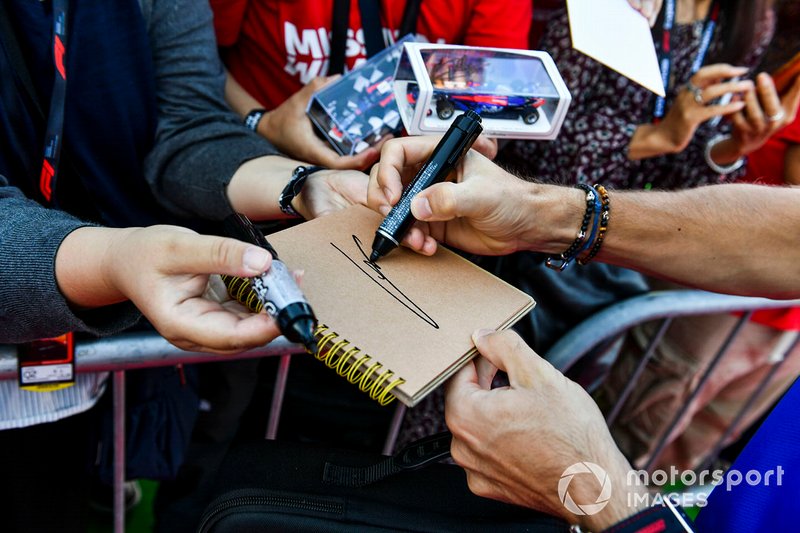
<point x="455" y="143"/>
<point x="276" y="288"/>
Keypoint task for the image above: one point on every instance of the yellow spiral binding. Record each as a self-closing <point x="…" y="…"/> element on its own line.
<point x="242" y="291"/>
<point x="358" y="368"/>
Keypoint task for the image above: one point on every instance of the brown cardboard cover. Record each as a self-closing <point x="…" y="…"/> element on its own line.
<point x="415" y="314"/>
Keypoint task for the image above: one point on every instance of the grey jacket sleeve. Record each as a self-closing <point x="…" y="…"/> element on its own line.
<point x="31" y="305"/>
<point x="200" y="143"/>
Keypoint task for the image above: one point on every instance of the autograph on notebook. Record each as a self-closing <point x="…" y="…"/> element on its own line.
<point x="374" y="273"/>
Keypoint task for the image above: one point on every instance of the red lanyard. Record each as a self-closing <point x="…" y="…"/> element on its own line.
<point x="54" y="136"/>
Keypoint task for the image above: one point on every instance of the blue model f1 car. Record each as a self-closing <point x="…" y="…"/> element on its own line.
<point x="499" y="106"/>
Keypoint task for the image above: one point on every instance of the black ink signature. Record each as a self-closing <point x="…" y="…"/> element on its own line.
<point x="399" y="296"/>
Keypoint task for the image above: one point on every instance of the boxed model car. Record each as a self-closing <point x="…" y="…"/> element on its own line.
<point x="518" y="93"/>
<point x="358" y="109"/>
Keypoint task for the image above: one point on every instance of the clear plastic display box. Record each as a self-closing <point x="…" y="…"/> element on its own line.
<point x="359" y="109"/>
<point x="518" y="93"/>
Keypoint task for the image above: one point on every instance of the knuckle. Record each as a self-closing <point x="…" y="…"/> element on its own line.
<point x="222" y="252"/>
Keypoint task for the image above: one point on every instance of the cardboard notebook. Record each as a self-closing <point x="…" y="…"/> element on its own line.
<point x="400" y="327"/>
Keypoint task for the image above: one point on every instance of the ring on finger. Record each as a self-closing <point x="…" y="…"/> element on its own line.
<point x="777" y="117"/>
<point x="696" y="91"/>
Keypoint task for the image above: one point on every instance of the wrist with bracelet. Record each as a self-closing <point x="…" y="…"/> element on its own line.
<point x="294" y="187"/>
<point x="596" y="217"/>
<point x="716" y="167"/>
<point x="253" y="118"/>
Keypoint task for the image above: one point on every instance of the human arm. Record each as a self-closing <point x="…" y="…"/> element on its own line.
<point x="164" y="271"/>
<point x="289" y="129"/>
<point x="199" y="143"/>
<point x="516" y="442"/>
<point x="31" y="304"/>
<point x="674" y="133"/>
<point x="765" y="113"/>
<point x="205" y="162"/>
<point x="734" y="238"/>
<point x="59" y="274"/>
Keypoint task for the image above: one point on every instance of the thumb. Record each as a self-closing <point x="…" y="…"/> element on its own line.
<point x="204" y="254"/>
<point x="442" y="201"/>
<point x="508" y="352"/>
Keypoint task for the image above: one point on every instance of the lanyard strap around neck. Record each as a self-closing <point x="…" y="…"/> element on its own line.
<point x="665" y="54"/>
<point x="54" y="137"/>
<point x="370" y="11"/>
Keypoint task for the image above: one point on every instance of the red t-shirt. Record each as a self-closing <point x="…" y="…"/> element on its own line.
<point x="765" y="165"/>
<point x="274" y="47"/>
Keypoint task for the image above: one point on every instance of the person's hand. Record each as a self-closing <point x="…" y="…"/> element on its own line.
<point x="327" y="191"/>
<point x="289" y="129"/>
<point x="648" y="8"/>
<point x="482" y="213"/>
<point x="765" y="113"/>
<point x="690" y="108"/>
<point x="164" y="270"/>
<point x="516" y="442"/>
<point x="487" y="146"/>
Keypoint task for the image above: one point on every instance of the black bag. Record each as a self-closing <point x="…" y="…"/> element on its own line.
<point x="161" y="408"/>
<point x="286" y="486"/>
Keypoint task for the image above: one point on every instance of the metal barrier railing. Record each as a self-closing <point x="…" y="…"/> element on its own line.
<point x="617" y="319"/>
<point x="129" y="351"/>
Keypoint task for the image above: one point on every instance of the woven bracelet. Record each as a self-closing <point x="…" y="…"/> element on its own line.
<point x="565" y="258"/>
<point x="605" y="215"/>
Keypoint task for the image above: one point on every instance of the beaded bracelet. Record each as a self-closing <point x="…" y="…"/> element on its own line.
<point x="605" y="215"/>
<point x="566" y="257"/>
<point x="597" y="211"/>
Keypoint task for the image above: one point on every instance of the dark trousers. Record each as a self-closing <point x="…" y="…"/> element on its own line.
<point x="44" y="475"/>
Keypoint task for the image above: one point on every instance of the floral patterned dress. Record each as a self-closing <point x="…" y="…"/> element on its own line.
<point x="607" y="108"/>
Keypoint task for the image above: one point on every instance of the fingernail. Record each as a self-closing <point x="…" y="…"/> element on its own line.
<point x="255" y="259"/>
<point x="384" y="209"/>
<point x="481" y="333"/>
<point x="421" y="208"/>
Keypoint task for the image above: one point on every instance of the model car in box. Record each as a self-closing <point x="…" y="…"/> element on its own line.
<point x="495" y="105"/>
<point x="518" y="93"/>
<point x="359" y="109"/>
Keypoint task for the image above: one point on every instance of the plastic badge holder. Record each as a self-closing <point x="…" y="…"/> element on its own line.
<point x="359" y="109"/>
<point x="518" y="93"/>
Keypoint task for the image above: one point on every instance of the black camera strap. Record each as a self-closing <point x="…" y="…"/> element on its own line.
<point x="371" y="24"/>
<point x="374" y="42"/>
<point x="340" y="23"/>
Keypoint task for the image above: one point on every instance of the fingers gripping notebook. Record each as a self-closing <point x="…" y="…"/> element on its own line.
<point x="397" y="328"/>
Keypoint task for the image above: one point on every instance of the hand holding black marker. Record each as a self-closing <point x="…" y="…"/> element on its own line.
<point x="454" y="145"/>
<point x="277" y="289"/>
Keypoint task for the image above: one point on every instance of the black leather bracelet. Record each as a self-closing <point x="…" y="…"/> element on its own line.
<point x="293" y="188"/>
<point x="253" y="118"/>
